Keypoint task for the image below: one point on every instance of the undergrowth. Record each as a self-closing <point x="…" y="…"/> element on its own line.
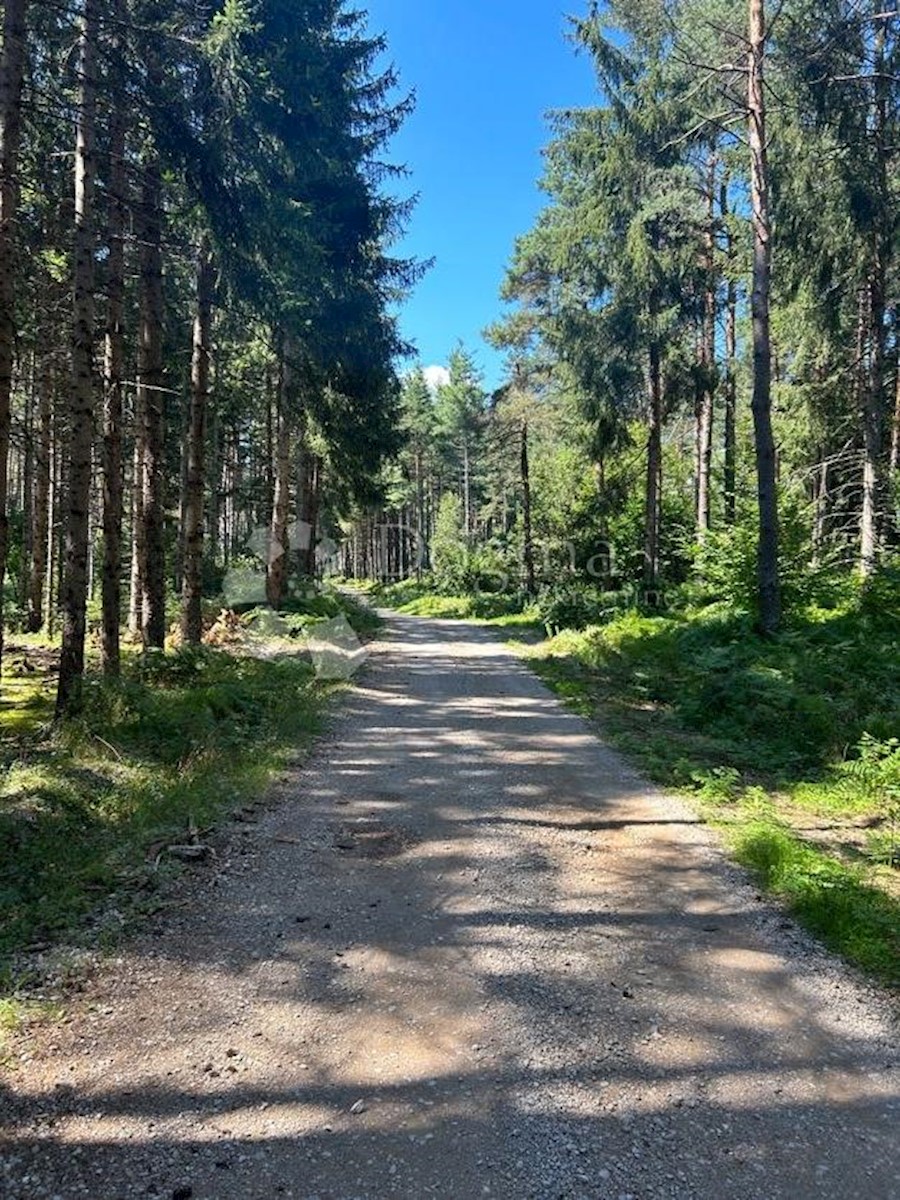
<point x="181" y="738"/>
<point x="418" y="599"/>
<point x="834" y="900"/>
<point x="757" y="728"/>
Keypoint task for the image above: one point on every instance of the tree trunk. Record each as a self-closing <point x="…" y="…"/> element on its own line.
<point x="28" y="470"/>
<point x="871" y="422"/>
<point x="312" y="513"/>
<point x="41" y="504"/>
<point x="277" y="566"/>
<point x="12" y="71"/>
<point x="527" y="543"/>
<point x="707" y="359"/>
<point x="138" y="557"/>
<point x="74" y="592"/>
<point x="150" y="403"/>
<point x="873" y="389"/>
<point x="57" y="458"/>
<point x="113" y="375"/>
<point x="730" y="415"/>
<point x="894" y="464"/>
<point x="768" y="584"/>
<point x="192" y="582"/>
<point x="820" y="507"/>
<point x="420" y="512"/>
<point x="652" y="502"/>
<point x="467" y="492"/>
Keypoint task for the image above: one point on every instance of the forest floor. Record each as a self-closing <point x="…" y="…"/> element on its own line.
<point x="463" y="951"/>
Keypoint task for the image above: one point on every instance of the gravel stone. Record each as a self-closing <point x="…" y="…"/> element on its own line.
<point x="545" y="974"/>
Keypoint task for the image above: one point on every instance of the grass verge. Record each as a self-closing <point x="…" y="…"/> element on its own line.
<point x="835" y="901"/>
<point x="767" y="735"/>
<point x="416" y="599"/>
<point x="152" y="759"/>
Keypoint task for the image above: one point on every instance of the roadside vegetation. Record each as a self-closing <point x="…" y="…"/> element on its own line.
<point x="117" y="797"/>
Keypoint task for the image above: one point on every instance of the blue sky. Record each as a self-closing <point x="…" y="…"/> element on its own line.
<point x="485" y="73"/>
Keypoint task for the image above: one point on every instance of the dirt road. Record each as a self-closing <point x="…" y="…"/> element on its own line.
<point x="467" y="953"/>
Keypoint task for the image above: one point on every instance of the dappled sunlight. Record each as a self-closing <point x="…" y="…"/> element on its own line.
<point x="474" y="935"/>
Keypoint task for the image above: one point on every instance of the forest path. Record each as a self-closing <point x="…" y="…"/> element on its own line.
<point x="467" y="952"/>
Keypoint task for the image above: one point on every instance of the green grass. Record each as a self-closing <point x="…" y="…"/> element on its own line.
<point x="180" y="740"/>
<point x="299" y="617"/>
<point x="700" y="691"/>
<point x="834" y="900"/>
<point x="417" y="599"/>
<point x="758" y="729"/>
<point x="16" y="1012"/>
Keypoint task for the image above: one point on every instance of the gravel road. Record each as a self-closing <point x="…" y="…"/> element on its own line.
<point x="464" y="952"/>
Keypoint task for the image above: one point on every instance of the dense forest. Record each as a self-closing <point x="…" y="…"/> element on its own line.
<point x="198" y="334"/>
<point x="194" y="324"/>
<point x="702" y="326"/>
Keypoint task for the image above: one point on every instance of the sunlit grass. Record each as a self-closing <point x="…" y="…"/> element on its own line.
<point x="834" y="900"/>
<point x="755" y="730"/>
<point x="178" y="741"/>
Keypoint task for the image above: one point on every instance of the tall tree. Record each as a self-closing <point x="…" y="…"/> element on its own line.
<point x="767" y="495"/>
<point x="278" y="543"/>
<point x="150" y="405"/>
<point x="12" y="71"/>
<point x="114" y="360"/>
<point x="81" y="439"/>
<point x="192" y="585"/>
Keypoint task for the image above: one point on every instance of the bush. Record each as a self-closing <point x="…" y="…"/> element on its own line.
<point x="568" y="606"/>
<point x="725" y="565"/>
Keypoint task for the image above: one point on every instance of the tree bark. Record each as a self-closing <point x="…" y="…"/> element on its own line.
<point x="873" y="390"/>
<point x="467" y="491"/>
<point x="41" y="505"/>
<point x="894" y="462"/>
<point x="192" y="582"/>
<point x="527" y="542"/>
<point x="150" y="404"/>
<point x="277" y="566"/>
<point x="74" y="592"/>
<point x="27" y="481"/>
<point x="730" y="414"/>
<point x="652" y="502"/>
<point x="768" y="583"/>
<point x="421" y="540"/>
<point x="312" y="513"/>
<point x="113" y="375"/>
<point x="707" y="359"/>
<point x="820" y="506"/>
<point x="12" y="71"/>
<point x="871" y="423"/>
<point x="138" y="557"/>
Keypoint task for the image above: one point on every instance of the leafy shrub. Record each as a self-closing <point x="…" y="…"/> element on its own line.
<point x="448" y="545"/>
<point x="576" y="605"/>
<point x="721" y="785"/>
<point x="872" y="777"/>
<point x="178" y="668"/>
<point x="725" y="564"/>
